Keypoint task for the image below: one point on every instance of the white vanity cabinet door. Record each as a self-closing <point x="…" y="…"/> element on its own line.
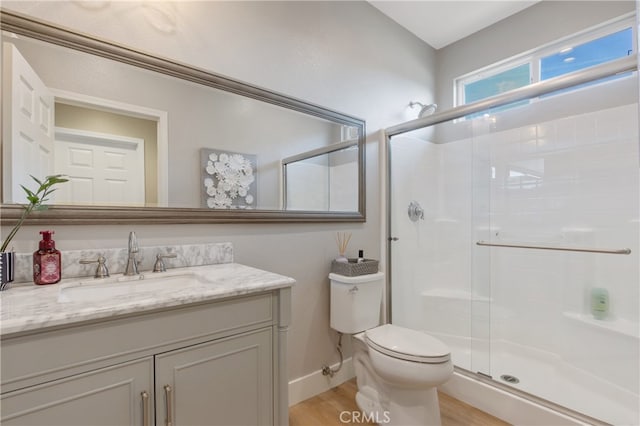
<point x="223" y="382"/>
<point x="105" y="397"/>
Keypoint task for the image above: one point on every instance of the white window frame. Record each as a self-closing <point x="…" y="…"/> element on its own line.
<point x="534" y="56"/>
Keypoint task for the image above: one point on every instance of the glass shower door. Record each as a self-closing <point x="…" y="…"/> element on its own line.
<point x="431" y="253"/>
<point x="524" y="260"/>
<point x="556" y="207"/>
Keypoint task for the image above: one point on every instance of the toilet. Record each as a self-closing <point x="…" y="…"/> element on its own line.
<point x="397" y="369"/>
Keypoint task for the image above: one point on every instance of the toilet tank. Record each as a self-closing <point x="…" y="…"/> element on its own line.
<point x="356" y="302"/>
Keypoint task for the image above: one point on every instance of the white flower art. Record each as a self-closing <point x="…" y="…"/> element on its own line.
<point x="229" y="180"/>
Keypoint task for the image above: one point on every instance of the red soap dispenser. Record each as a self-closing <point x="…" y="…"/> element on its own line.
<point x="47" y="266"/>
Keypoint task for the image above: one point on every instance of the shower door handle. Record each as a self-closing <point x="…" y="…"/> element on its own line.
<point x="559" y="248"/>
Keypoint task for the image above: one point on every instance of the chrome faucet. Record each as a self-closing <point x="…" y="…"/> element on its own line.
<point x="132" y="262"/>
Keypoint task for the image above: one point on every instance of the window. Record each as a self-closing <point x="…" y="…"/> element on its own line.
<point x="596" y="46"/>
<point x="594" y="52"/>
<point x="504" y="81"/>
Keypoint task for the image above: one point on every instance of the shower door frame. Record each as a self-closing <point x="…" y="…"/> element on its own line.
<point x="586" y="75"/>
<point x="597" y="72"/>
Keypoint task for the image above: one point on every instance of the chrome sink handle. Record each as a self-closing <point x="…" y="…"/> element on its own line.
<point x="101" y="271"/>
<point x="159" y="266"/>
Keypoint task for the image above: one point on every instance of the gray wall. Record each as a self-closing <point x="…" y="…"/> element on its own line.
<point x="342" y="55"/>
<point x="535" y="26"/>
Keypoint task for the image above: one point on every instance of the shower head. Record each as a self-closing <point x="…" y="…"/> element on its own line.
<point x="424" y="109"/>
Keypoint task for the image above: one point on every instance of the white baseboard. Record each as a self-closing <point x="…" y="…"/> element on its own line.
<point x="315" y="383"/>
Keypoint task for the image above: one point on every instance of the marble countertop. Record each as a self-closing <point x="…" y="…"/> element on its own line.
<point x="31" y="307"/>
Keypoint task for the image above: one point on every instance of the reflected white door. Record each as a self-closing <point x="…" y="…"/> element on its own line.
<point x="28" y="107"/>
<point x="102" y="169"/>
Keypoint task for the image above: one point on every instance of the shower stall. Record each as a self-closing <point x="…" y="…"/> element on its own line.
<point x="513" y="237"/>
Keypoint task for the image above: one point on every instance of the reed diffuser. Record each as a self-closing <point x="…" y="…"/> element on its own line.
<point x="342" y="240"/>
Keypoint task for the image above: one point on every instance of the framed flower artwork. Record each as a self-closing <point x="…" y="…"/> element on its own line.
<point x="228" y="179"/>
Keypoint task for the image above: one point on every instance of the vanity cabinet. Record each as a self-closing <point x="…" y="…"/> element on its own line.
<point x="108" y="396"/>
<point x="216" y="363"/>
<point x="224" y="382"/>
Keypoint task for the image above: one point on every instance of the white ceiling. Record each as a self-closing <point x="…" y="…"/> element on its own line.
<point x="442" y="22"/>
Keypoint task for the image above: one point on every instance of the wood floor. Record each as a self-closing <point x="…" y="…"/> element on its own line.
<point x="325" y="409"/>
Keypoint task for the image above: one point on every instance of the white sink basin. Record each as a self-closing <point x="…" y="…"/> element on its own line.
<point x="122" y="286"/>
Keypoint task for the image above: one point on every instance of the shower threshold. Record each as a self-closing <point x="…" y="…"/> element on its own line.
<point x="532" y="404"/>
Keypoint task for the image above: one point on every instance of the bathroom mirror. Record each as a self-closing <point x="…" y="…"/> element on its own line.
<point x="144" y="139"/>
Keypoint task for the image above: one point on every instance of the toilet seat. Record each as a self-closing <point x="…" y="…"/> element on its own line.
<point x="410" y="345"/>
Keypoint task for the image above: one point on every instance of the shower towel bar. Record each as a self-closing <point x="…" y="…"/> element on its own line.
<point x="525" y="246"/>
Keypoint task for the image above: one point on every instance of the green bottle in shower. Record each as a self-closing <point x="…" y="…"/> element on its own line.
<point x="599" y="302"/>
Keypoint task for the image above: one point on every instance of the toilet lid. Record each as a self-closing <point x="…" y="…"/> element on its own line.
<point x="407" y="344"/>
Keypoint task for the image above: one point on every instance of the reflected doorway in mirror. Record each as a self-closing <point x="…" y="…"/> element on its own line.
<point x="229" y="179"/>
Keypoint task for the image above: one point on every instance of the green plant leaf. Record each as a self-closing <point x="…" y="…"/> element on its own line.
<point x="36" y="179"/>
<point x="27" y="190"/>
<point x="36" y="200"/>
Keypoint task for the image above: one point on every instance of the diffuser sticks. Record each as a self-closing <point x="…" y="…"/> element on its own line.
<point x="342" y="240"/>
